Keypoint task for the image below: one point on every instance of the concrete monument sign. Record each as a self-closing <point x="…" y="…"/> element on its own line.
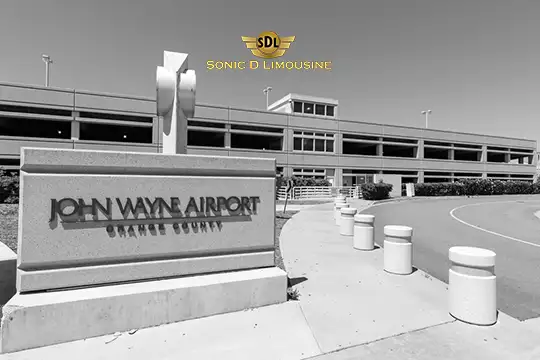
<point x="113" y="241"/>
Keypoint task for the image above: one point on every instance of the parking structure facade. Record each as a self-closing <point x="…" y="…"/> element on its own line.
<point x="303" y="133"/>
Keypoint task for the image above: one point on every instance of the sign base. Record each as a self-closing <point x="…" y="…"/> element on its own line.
<point x="47" y="318"/>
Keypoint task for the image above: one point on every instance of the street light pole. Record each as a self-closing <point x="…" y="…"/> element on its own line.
<point x="47" y="59"/>
<point x="267" y="90"/>
<point x="426" y="113"/>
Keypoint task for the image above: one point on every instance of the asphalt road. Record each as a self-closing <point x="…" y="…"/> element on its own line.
<point x="504" y="224"/>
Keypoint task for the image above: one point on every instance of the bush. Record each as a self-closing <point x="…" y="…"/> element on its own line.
<point x="378" y="191"/>
<point x="439" y="189"/>
<point x="281" y="181"/>
<point x="9" y="188"/>
<point x="473" y="187"/>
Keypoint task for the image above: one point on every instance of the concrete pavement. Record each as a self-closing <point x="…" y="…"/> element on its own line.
<point x="357" y="311"/>
<point x="505" y="224"/>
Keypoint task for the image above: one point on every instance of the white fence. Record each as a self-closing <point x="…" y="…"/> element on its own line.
<point x="318" y="192"/>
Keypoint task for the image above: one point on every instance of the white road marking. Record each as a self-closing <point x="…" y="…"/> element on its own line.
<point x="489" y="231"/>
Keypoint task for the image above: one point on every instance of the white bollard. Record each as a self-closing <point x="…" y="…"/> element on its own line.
<point x="340" y="206"/>
<point x="346" y="227"/>
<point x="337" y="213"/>
<point x="472" y="285"/>
<point x="364" y="232"/>
<point x="398" y="249"/>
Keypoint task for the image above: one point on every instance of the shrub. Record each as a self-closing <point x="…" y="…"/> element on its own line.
<point x="473" y="187"/>
<point x="282" y="181"/>
<point x="477" y="186"/>
<point x="498" y="187"/>
<point x="517" y="187"/>
<point x="439" y="189"/>
<point x="9" y="188"/>
<point x="378" y="191"/>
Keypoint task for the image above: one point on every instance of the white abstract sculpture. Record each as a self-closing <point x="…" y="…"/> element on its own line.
<point x="175" y="100"/>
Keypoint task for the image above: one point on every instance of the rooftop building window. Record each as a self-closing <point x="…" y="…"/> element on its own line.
<point x="300" y="107"/>
<point x="308" y="108"/>
<point x="329" y="110"/>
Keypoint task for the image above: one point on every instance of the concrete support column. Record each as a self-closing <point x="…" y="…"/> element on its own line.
<point x="451" y="154"/>
<point x="507" y="158"/>
<point x="288" y="141"/>
<point x="380" y="148"/>
<point x="484" y="175"/>
<point x="75" y="127"/>
<point x="521" y="160"/>
<point x="228" y="136"/>
<point x="155" y="130"/>
<point x="338" y="177"/>
<point x="420" y="176"/>
<point x="287" y="171"/>
<point x="338" y="144"/>
<point x="420" y="151"/>
<point x="484" y="153"/>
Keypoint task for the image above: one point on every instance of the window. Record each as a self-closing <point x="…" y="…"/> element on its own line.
<point x="204" y="133"/>
<point x="308" y="141"/>
<point x="319" y="145"/>
<point x="35" y="128"/>
<point x="308" y="108"/>
<point x="256" y="137"/>
<point x="354" y="144"/>
<point x="308" y="144"/>
<point x="297" y="107"/>
<point x="115" y="133"/>
<point x="120" y="117"/>
<point x="206" y="138"/>
<point x="329" y="110"/>
<point x="298" y="143"/>
<point x="35" y="110"/>
<point x="310" y="173"/>
<point x="319" y="109"/>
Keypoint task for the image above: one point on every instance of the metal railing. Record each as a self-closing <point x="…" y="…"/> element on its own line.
<point x="318" y="192"/>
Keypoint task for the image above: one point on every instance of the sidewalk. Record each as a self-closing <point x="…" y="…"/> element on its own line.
<point x="351" y="303"/>
<point x="348" y="308"/>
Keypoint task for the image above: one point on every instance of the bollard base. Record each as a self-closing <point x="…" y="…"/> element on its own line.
<point x="364" y="238"/>
<point x="472" y="299"/>
<point x="398" y="258"/>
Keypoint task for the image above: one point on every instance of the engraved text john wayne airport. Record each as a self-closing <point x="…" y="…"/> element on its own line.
<point x="144" y="212"/>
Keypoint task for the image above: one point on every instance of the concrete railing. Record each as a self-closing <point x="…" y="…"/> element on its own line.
<point x="319" y="192"/>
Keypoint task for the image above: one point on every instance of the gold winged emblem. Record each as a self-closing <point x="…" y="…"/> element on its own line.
<point x="268" y="45"/>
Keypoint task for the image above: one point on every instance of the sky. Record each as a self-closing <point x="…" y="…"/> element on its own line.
<point x="474" y="63"/>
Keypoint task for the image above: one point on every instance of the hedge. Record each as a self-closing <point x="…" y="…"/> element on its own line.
<point x="9" y="188"/>
<point x="377" y="191"/>
<point x="282" y="181"/>
<point x="473" y="187"/>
